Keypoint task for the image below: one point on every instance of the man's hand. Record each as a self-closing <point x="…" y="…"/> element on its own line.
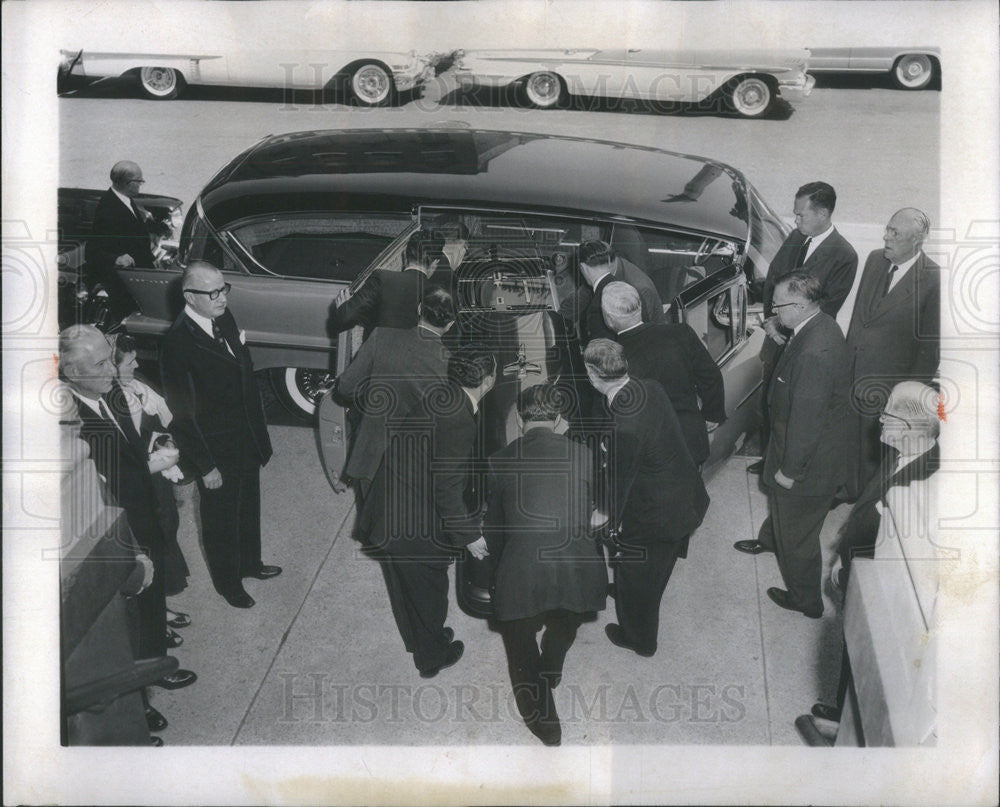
<point x="478" y="548"/>
<point x="147" y="571"/>
<point x="213" y="479"/>
<point x="341" y="298"/>
<point x="773" y="329"/>
<point x="339" y="485"/>
<point x="785" y="481"/>
<point x="711" y="426"/>
<point x="124" y="261"/>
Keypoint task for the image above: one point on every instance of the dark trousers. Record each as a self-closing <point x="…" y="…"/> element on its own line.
<point x="151" y="609"/>
<point x="532" y="670"/>
<point x="792" y="530"/>
<point x="641" y="576"/>
<point x="230" y="518"/>
<point x="418" y="594"/>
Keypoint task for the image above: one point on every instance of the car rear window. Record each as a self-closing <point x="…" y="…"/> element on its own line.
<point x="318" y="246"/>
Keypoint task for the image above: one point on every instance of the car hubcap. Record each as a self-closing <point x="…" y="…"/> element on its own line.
<point x="371" y="84"/>
<point x="914" y="70"/>
<point x="306" y="386"/>
<point x="158" y="79"/>
<point x="751" y="97"/>
<point x="543" y="88"/>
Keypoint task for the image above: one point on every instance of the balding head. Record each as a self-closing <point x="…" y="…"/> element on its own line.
<point x="910" y="415"/>
<point x="905" y="234"/>
<point x="200" y="280"/>
<point x="126" y="177"/>
<point x="85" y="361"/>
<point x="621" y="306"/>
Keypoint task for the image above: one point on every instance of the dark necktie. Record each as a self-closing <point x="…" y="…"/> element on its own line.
<point x="803" y="250"/>
<point x="124" y="423"/>
<point x="888" y="281"/>
<point x="135" y="210"/>
<point x="218" y="337"/>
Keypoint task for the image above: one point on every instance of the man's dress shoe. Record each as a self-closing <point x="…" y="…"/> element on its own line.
<point x="178" y="619"/>
<point x="782" y="599"/>
<point x="239" y="599"/>
<point x="548" y="731"/>
<point x="155" y="720"/>
<point x="178" y="680"/>
<point x="751" y="547"/>
<point x="756" y="467"/>
<point x="617" y="636"/>
<point x="174" y="639"/>
<point x="825" y="712"/>
<point x="264" y="572"/>
<point x="811" y="733"/>
<point x="156" y="742"/>
<point x="448" y="634"/>
<point x="452" y="655"/>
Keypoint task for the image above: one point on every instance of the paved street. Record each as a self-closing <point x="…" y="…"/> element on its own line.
<point x="318" y="660"/>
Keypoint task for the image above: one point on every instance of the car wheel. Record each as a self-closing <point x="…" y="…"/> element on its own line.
<point x="750" y="97"/>
<point x="160" y="83"/>
<point x="299" y="389"/>
<point x="544" y="90"/>
<point x="913" y="72"/>
<point x="371" y="85"/>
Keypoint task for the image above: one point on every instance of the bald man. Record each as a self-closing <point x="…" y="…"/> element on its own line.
<point x="220" y="428"/>
<point x="895" y="331"/>
<point x="120" y="235"/>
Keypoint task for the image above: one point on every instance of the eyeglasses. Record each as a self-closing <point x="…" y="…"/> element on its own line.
<point x="214" y="293"/>
<point x="886" y="415"/>
<point x="137" y="181"/>
<point x="783" y="305"/>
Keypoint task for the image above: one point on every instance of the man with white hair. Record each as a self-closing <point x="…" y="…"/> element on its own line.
<point x="121" y="456"/>
<point x="895" y="331"/>
<point x="672" y="354"/>
<point x="910" y="426"/>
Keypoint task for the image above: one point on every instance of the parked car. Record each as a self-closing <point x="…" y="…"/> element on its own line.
<point x="371" y="78"/>
<point x="79" y="294"/>
<point x="910" y="68"/>
<point x="746" y="82"/>
<point x="298" y="217"/>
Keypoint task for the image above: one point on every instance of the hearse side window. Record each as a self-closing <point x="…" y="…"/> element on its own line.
<point x="203" y="246"/>
<point x="672" y="260"/>
<point x="318" y="246"/>
<point x="712" y="321"/>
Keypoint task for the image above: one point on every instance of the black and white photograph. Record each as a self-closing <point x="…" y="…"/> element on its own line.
<point x="501" y="402"/>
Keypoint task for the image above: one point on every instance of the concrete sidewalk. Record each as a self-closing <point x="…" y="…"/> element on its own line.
<point x="318" y="660"/>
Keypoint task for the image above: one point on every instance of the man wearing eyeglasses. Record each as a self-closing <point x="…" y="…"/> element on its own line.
<point x="804" y="464"/>
<point x="120" y="234"/>
<point x="220" y="428"/>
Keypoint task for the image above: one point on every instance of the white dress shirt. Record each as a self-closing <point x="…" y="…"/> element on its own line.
<point x="816" y="241"/>
<point x="901" y="270"/>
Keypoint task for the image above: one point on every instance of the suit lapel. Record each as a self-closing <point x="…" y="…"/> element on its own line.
<point x="900" y="294"/>
<point x="205" y="342"/>
<point x="792" y="348"/>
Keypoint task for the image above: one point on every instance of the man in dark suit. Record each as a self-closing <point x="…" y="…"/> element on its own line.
<point x="895" y="331"/>
<point x="910" y="426"/>
<point x="673" y="355"/>
<point x="122" y="458"/>
<point x="657" y="497"/>
<point x="549" y="569"/>
<point x="804" y="462"/>
<point x="389" y="374"/>
<point x="219" y="427"/>
<point x="120" y="234"/>
<point x="418" y="511"/>
<point x="600" y="266"/>
<point x="817" y="248"/>
<point x="389" y="299"/>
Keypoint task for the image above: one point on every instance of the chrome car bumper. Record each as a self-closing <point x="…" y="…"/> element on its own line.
<point x="412" y="77"/>
<point x="798" y="88"/>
